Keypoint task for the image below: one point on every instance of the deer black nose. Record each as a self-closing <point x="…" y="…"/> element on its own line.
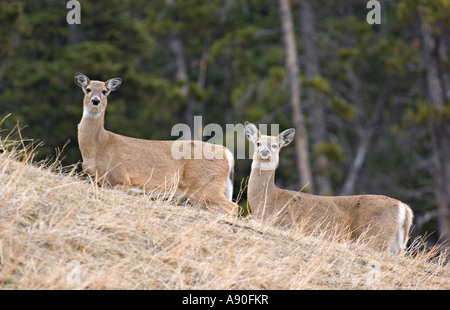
<point x="265" y="153"/>
<point x="95" y="101"/>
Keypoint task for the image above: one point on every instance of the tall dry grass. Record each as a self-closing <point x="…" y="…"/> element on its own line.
<point x="59" y="230"/>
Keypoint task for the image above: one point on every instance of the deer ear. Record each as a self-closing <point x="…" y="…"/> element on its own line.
<point x="81" y="79"/>
<point x="286" y="137"/>
<point x="251" y="132"/>
<point x="113" y="84"/>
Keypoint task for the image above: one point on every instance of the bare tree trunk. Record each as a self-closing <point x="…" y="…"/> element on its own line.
<point x="440" y="129"/>
<point x="293" y="72"/>
<point x="316" y="101"/>
<point x="365" y="131"/>
<point x="177" y="49"/>
<point x="198" y="106"/>
<point x="181" y="75"/>
<point x="366" y="139"/>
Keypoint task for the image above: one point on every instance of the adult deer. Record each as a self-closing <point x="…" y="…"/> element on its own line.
<point x="144" y="165"/>
<point x="382" y="220"/>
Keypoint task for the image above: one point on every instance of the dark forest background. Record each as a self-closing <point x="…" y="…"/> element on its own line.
<point x="371" y="103"/>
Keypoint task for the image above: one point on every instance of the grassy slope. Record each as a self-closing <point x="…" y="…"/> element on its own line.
<point x="58" y="231"/>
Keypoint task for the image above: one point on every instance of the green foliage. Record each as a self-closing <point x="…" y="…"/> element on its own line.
<point x="436" y="11"/>
<point x="343" y="108"/>
<point x="424" y="113"/>
<point x="335" y="156"/>
<point x="320" y="84"/>
<point x="331" y="150"/>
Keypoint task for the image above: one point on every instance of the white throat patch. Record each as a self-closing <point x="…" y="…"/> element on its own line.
<point x="86" y="113"/>
<point x="264" y="165"/>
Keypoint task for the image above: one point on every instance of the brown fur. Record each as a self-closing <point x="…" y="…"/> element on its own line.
<point x="369" y="217"/>
<point x="121" y="161"/>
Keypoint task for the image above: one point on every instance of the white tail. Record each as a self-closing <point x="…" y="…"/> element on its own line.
<point x="144" y="165"/>
<point x="383" y="221"/>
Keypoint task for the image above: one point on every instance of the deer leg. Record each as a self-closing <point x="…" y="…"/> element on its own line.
<point x="222" y="202"/>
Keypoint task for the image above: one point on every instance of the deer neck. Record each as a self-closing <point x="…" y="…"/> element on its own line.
<point x="91" y="135"/>
<point x="261" y="187"/>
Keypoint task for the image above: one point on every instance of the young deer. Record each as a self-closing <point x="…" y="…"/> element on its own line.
<point x="382" y="220"/>
<point x="143" y="165"/>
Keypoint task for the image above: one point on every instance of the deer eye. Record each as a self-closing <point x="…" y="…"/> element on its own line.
<point x="104" y="92"/>
<point x="258" y="144"/>
<point x="274" y="146"/>
<point x="88" y="90"/>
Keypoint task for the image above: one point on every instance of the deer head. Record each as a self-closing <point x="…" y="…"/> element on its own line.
<point x="95" y="94"/>
<point x="267" y="148"/>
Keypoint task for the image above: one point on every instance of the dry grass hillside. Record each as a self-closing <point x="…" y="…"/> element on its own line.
<point x="60" y="231"/>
